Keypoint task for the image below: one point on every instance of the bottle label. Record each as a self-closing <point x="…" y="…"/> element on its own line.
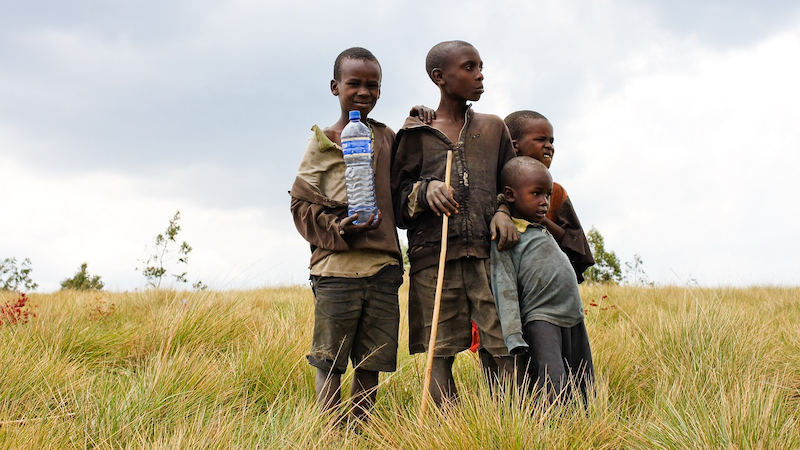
<point x="352" y="146"/>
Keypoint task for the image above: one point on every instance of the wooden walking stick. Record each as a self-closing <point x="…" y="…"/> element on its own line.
<point x="437" y="299"/>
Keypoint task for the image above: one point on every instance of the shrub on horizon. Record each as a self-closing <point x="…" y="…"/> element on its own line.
<point x="82" y="281"/>
<point x="167" y="248"/>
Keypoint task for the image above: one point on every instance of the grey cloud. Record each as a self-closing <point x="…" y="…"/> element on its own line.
<point x="727" y="23"/>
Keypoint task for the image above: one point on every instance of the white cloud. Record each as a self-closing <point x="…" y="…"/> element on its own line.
<point x="693" y="161"/>
<point x="107" y="220"/>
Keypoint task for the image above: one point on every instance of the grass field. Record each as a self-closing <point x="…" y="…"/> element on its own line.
<point x="677" y="368"/>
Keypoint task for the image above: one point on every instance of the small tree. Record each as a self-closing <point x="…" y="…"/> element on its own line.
<point x="82" y="281"/>
<point x="635" y="274"/>
<point x="12" y="277"/>
<point x="166" y="249"/>
<point x="606" y="268"/>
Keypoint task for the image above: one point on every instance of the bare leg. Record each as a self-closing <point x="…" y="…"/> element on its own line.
<point x="443" y="386"/>
<point x="328" y="389"/>
<point x="363" y="392"/>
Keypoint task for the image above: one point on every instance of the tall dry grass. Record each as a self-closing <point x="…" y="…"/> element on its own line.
<point x="677" y="368"/>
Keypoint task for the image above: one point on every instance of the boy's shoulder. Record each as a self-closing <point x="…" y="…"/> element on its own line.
<point x="380" y="129"/>
<point x="413" y="122"/>
<point x="493" y="128"/>
<point x="322" y="138"/>
<point x="490" y="118"/>
<point x="484" y="119"/>
<point x="475" y="118"/>
<point x="376" y="123"/>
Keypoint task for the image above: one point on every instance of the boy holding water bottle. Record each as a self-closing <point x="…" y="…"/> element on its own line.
<point x="356" y="268"/>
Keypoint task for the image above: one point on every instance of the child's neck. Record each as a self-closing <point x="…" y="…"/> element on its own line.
<point x="516" y="215"/>
<point x="450" y="118"/>
<point x="334" y="132"/>
<point x="451" y="109"/>
<point x="344" y="119"/>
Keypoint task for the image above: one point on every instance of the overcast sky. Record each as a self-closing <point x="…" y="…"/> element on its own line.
<point x="677" y="125"/>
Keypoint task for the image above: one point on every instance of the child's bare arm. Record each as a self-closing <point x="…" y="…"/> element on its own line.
<point x="554" y="229"/>
<point x="503" y="229"/>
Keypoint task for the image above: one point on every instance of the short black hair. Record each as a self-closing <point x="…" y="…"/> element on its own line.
<point x="510" y="174"/>
<point x="516" y="121"/>
<point x="359" y="53"/>
<point x="441" y="52"/>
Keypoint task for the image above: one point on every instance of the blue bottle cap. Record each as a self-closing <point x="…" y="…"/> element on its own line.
<point x="355" y="115"/>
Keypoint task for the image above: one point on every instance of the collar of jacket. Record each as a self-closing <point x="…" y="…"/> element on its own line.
<point x="521" y="224"/>
<point x="326" y="144"/>
<point x="413" y="122"/>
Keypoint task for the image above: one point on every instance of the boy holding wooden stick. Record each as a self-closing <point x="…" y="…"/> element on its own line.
<point x="481" y="146"/>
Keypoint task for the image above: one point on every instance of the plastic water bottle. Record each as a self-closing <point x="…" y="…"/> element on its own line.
<point x="359" y="177"/>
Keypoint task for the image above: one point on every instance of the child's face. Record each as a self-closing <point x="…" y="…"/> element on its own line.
<point x="537" y="141"/>
<point x="463" y="77"/>
<point x="530" y="198"/>
<point x="360" y="86"/>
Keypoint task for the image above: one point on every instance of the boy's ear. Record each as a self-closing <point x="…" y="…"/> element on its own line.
<point x="437" y="76"/>
<point x="335" y="87"/>
<point x="508" y="192"/>
<point x="514" y="143"/>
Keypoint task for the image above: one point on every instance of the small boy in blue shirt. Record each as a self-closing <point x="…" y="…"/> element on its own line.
<point x="536" y="291"/>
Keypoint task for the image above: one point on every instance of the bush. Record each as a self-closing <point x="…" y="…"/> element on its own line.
<point x="82" y="281"/>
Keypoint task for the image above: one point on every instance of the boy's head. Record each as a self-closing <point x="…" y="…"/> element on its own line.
<point x="456" y="67"/>
<point x="356" y="80"/>
<point x="527" y="186"/>
<point x="532" y="135"/>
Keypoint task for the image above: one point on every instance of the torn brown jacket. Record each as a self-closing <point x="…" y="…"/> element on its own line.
<point x="319" y="203"/>
<point x="483" y="148"/>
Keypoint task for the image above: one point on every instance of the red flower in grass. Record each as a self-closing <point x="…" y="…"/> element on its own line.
<point x="18" y="311"/>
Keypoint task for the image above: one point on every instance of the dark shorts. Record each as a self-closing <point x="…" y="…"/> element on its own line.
<point x="356" y="318"/>
<point x="466" y="297"/>
<point x="557" y="358"/>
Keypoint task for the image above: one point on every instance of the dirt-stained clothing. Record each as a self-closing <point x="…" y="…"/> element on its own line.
<point x="483" y="148"/>
<point x="319" y="203"/>
<point x="355" y="277"/>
